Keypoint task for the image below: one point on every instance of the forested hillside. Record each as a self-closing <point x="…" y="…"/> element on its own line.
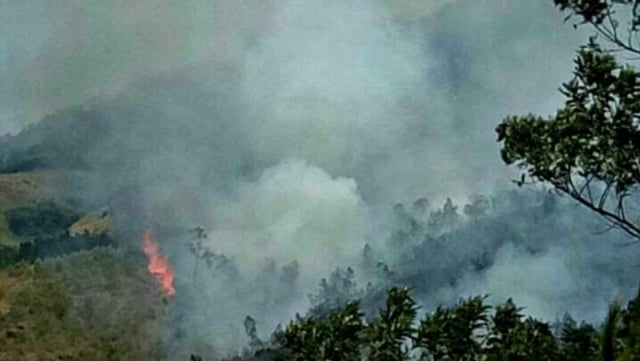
<point x="301" y="180"/>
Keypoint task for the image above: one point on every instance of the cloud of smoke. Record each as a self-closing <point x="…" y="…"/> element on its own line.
<point x="287" y="130"/>
<point x="293" y="212"/>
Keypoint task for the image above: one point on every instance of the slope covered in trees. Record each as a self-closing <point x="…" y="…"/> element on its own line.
<point x="468" y="330"/>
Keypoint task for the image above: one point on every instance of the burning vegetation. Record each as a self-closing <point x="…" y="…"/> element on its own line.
<point x="158" y="264"/>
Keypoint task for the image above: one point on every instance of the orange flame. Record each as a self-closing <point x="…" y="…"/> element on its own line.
<point x="158" y="263"/>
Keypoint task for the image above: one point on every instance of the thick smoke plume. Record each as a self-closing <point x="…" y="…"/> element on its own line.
<point x="266" y="143"/>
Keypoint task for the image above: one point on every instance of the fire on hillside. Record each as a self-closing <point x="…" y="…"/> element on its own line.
<point x="158" y="265"/>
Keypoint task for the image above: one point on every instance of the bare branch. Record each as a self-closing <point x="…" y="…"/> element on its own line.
<point x="603" y="196"/>
<point x="587" y="186"/>
<point x="568" y="187"/>
<point x="607" y="229"/>
<point x="611" y="34"/>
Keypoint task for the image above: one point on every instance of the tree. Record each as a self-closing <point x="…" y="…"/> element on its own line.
<point x="604" y="16"/>
<point x="336" y="336"/>
<point x="630" y="330"/>
<point x="452" y="333"/>
<point x="510" y="338"/>
<point x="590" y="149"/>
<point x="340" y="288"/>
<point x="467" y="331"/>
<point x="609" y="333"/>
<point x="388" y="334"/>
<point x="579" y="342"/>
<point x="444" y="219"/>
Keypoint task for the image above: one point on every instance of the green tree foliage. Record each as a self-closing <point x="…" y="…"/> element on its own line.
<point x="579" y="342"/>
<point x="590" y="149"/>
<point x="630" y="330"/>
<point x="524" y="340"/>
<point x="43" y="229"/>
<point x="470" y="330"/>
<point x="609" y="333"/>
<point x="453" y="333"/>
<point x="387" y="335"/>
<point x="42" y="219"/>
<point x="337" y="336"/>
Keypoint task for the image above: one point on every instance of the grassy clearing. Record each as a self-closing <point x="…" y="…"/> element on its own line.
<point x="98" y="222"/>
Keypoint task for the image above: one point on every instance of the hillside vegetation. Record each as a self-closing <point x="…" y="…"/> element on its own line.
<point x="66" y="291"/>
<point x="19" y="190"/>
<point x="95" y="305"/>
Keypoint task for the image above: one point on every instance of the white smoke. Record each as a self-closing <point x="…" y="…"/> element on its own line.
<point x="293" y="212"/>
<point x="288" y="129"/>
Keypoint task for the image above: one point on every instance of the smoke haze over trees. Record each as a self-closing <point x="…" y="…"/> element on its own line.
<point x="292" y="156"/>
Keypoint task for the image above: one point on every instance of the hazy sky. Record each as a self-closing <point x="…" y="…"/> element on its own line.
<point x="54" y="54"/>
<point x="338" y="109"/>
<point x="425" y="81"/>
